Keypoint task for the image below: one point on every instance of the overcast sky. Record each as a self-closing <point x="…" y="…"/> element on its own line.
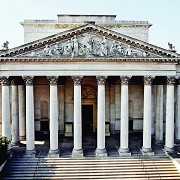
<point x="163" y="14"/>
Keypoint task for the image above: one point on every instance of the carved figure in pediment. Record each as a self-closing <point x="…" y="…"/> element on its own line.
<point x="47" y="51"/>
<point x="68" y="48"/>
<point x="104" y="47"/>
<point x="75" y="46"/>
<point x="57" y="50"/>
<point x="128" y="51"/>
<point x="113" y="49"/>
<point x="88" y="43"/>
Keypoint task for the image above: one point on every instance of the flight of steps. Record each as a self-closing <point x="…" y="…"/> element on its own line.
<point x="89" y="168"/>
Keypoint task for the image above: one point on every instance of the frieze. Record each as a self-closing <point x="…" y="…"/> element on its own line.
<point x="28" y="80"/>
<point x="53" y="80"/>
<point x="87" y="60"/>
<point x="4" y="80"/>
<point x="171" y="80"/>
<point x="125" y="80"/>
<point x="101" y="80"/>
<point x="77" y="80"/>
<point x="148" y="80"/>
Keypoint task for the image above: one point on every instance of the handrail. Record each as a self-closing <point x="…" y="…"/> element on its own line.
<point x="142" y="162"/>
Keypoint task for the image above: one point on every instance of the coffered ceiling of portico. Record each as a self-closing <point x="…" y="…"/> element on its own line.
<point x="89" y="41"/>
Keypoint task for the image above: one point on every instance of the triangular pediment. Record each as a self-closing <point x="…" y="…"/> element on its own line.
<point x="89" y="41"/>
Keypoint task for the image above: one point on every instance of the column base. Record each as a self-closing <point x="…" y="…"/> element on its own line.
<point x="15" y="144"/>
<point x="124" y="152"/>
<point x="30" y="153"/>
<point x="101" y="153"/>
<point x="147" y="151"/>
<point x="169" y="150"/>
<point x="159" y="142"/>
<point x="22" y="138"/>
<point x="77" y="153"/>
<point x="54" y="153"/>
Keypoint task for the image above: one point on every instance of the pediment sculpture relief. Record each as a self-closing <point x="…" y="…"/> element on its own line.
<point x="89" y="45"/>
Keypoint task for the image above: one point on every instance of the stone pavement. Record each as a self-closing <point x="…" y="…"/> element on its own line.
<point x="89" y="146"/>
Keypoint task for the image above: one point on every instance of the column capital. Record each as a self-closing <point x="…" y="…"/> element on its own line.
<point x="14" y="82"/>
<point x="28" y="80"/>
<point x="53" y="80"/>
<point x="4" y="80"/>
<point x="148" y="80"/>
<point x="101" y="80"/>
<point x="125" y="79"/>
<point x="171" y="80"/>
<point x="77" y="79"/>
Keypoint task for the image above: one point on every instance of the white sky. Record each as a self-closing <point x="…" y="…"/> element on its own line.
<point x="163" y="14"/>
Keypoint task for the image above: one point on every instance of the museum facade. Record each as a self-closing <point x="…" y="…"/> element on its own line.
<point x="86" y="74"/>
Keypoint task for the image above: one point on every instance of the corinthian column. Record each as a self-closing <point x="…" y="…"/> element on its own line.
<point x="146" y="149"/>
<point x="77" y="151"/>
<point x="15" y="114"/>
<point x="101" y="150"/>
<point x="54" y="150"/>
<point x="22" y="113"/>
<point x="124" y="132"/>
<point x="6" y="125"/>
<point x="177" y="133"/>
<point x="169" y="137"/>
<point x="159" y="114"/>
<point x="30" y="137"/>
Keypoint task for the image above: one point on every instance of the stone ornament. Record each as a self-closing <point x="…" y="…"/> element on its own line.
<point x="53" y="80"/>
<point x="125" y="79"/>
<point x="88" y="45"/>
<point x="171" y="80"/>
<point x="148" y="80"/>
<point x="101" y="80"/>
<point x="77" y="80"/>
<point x="4" y="80"/>
<point x="28" y="80"/>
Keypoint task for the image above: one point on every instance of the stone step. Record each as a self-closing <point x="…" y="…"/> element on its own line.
<point x="89" y="168"/>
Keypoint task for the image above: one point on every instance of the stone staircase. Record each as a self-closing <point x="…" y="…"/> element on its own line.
<point x="90" y="168"/>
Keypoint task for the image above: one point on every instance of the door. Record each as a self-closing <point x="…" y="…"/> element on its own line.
<point x="87" y="119"/>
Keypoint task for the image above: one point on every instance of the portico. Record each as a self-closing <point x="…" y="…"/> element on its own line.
<point x="122" y="86"/>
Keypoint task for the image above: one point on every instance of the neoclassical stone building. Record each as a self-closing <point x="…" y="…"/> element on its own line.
<point x="89" y="73"/>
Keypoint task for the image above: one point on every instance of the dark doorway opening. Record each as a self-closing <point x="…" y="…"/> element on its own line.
<point x="87" y="119"/>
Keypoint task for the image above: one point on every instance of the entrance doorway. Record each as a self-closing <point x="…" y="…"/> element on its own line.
<point x="87" y="119"/>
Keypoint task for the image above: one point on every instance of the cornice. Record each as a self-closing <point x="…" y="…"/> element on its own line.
<point x="108" y="33"/>
<point x="88" y="60"/>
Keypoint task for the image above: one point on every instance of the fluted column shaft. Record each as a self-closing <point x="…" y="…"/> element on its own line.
<point x="147" y="115"/>
<point x="6" y="126"/>
<point x="54" y="150"/>
<point x="177" y="133"/>
<point x="30" y="133"/>
<point x="22" y="112"/>
<point x="124" y="132"/>
<point x="169" y="137"/>
<point x="101" y="150"/>
<point x="77" y="151"/>
<point x="15" y="114"/>
<point x="159" y="114"/>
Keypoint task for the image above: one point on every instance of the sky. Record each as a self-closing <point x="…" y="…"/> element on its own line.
<point x="163" y="14"/>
